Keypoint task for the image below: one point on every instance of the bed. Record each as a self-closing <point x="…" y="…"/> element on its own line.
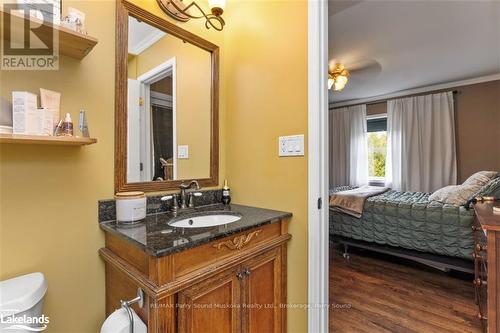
<point x="410" y="221"/>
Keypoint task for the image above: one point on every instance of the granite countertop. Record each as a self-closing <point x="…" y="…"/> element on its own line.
<point x="154" y="236"/>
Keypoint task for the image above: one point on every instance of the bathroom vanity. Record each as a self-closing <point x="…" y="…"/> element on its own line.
<point x="224" y="278"/>
<point x="212" y="268"/>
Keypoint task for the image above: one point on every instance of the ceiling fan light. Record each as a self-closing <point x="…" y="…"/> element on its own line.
<point x="331" y="81"/>
<point x="339" y="86"/>
<point x="338" y="78"/>
<point x="341" y="82"/>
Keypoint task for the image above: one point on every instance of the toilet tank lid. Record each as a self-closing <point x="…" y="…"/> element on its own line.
<point x="21" y="293"/>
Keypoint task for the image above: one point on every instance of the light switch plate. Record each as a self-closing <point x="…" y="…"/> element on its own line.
<point x="182" y="152"/>
<point x="292" y="145"/>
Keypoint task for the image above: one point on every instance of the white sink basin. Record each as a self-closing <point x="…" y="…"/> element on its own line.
<point x="205" y="221"/>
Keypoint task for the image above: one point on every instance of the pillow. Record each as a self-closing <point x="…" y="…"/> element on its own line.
<point x="481" y="178"/>
<point x="454" y="194"/>
<point x="492" y="189"/>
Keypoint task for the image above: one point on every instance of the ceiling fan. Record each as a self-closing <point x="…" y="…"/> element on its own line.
<point x="339" y="73"/>
<point x="338" y="77"/>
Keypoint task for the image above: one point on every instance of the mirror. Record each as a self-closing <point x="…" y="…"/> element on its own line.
<point x="167" y="107"/>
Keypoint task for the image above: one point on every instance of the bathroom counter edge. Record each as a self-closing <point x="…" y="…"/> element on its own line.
<point x="154" y="236"/>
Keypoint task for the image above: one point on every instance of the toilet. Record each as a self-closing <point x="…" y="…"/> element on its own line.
<point x="21" y="303"/>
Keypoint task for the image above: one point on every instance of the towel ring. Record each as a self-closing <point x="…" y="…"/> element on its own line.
<point x="126" y="305"/>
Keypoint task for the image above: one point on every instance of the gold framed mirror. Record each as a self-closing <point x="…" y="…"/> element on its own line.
<point x="167" y="104"/>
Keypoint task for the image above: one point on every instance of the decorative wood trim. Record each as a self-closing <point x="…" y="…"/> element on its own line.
<point x="284" y="286"/>
<point x="123" y="10"/>
<point x="227" y="263"/>
<point x="185" y="262"/>
<point x="172" y="287"/>
<point x="237" y="243"/>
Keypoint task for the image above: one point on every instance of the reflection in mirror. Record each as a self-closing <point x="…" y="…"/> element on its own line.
<point x="168" y="107"/>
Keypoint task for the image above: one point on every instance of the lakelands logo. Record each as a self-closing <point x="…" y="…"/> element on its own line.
<point x="29" y="41"/>
<point x="8" y="321"/>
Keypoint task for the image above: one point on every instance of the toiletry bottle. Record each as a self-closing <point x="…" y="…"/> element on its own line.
<point x="67" y="126"/>
<point x="83" y="124"/>
<point x="226" y="194"/>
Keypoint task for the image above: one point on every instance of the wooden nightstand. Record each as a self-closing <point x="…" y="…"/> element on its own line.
<point x="487" y="268"/>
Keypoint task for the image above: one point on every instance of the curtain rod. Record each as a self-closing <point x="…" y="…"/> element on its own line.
<point x="384" y="100"/>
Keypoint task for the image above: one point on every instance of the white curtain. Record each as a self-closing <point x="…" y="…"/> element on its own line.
<point x="421" y="152"/>
<point x="348" y="146"/>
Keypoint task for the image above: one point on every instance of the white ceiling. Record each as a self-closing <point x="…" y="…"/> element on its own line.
<point x="141" y="36"/>
<point x="409" y="44"/>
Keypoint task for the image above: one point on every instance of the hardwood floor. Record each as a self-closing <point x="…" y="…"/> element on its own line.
<point x="373" y="295"/>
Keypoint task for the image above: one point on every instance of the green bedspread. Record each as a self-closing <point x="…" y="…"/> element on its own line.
<point x="409" y="220"/>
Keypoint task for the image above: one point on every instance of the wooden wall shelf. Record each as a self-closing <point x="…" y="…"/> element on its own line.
<point x="71" y="43"/>
<point x="46" y="140"/>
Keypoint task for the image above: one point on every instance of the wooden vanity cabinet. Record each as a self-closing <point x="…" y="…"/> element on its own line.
<point x="213" y="303"/>
<point x="263" y="285"/>
<point x="233" y="284"/>
<point x="246" y="298"/>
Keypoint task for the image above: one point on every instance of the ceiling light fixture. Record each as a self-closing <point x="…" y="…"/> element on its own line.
<point x="178" y="10"/>
<point x="338" y="77"/>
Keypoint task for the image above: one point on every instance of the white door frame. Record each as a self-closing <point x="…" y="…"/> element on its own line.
<point x="167" y="102"/>
<point x="133" y="131"/>
<point x="157" y="73"/>
<point x="318" y="166"/>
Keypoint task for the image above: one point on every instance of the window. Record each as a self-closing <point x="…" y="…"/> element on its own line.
<point x="377" y="148"/>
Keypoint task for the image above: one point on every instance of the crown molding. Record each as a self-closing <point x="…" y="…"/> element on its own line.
<point x="416" y="91"/>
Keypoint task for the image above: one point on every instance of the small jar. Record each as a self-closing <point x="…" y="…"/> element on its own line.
<point x="130" y="206"/>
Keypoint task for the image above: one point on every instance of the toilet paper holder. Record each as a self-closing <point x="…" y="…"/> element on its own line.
<point x="126" y="305"/>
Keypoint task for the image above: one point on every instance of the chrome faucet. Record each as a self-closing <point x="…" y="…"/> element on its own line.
<point x="175" y="203"/>
<point x="184" y="187"/>
<point x="183" y="200"/>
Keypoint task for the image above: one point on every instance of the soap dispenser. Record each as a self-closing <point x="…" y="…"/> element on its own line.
<point x="226" y="194"/>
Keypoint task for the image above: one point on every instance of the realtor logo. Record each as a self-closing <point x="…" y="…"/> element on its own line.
<point x="29" y="41"/>
<point x="9" y="322"/>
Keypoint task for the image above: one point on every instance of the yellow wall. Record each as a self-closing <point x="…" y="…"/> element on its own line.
<point x="193" y="78"/>
<point x="266" y="76"/>
<point x="132" y="67"/>
<point x="49" y="195"/>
